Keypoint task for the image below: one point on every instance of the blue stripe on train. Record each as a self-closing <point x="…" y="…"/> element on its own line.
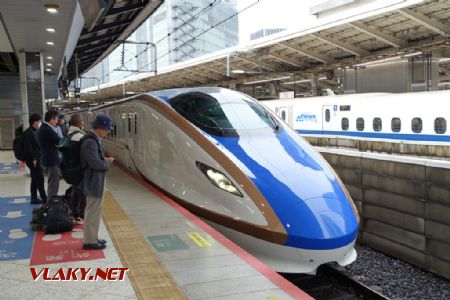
<point x="375" y="135"/>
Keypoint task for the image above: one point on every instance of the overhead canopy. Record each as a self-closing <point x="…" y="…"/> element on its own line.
<point x="292" y="57"/>
<point x="118" y="19"/>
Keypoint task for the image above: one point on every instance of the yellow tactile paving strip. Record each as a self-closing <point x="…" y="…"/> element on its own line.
<point x="149" y="278"/>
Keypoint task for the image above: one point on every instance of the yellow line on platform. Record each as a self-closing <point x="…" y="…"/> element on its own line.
<point x="148" y="276"/>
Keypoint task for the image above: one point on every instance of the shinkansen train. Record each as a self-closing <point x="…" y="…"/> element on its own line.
<point x="230" y="161"/>
<point x="383" y="121"/>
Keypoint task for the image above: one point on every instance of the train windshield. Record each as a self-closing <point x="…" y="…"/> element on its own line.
<point x="223" y="118"/>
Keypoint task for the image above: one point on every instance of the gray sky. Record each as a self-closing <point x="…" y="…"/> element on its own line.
<point x="273" y="14"/>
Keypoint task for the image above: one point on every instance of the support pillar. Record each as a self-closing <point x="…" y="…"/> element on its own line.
<point x="314" y="85"/>
<point x="31" y="72"/>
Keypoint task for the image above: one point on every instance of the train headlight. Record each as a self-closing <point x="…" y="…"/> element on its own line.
<point x="219" y="179"/>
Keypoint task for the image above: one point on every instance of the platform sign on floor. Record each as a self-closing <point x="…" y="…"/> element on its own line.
<point x="167" y="242"/>
<point x="16" y="236"/>
<point x="8" y="168"/>
<point x="61" y="247"/>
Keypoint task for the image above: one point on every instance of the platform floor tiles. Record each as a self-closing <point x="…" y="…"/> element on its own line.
<point x="15" y="277"/>
<point x="168" y="255"/>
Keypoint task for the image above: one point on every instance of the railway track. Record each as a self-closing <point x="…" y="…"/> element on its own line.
<point x="332" y="283"/>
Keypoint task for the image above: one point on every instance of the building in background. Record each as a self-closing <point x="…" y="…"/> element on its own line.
<point x="265" y="32"/>
<point x="180" y="30"/>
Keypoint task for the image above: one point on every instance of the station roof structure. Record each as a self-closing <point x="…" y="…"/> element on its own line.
<point x="118" y="20"/>
<point x="290" y="56"/>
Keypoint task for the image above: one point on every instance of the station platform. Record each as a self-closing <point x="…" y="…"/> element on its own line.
<point x="156" y="250"/>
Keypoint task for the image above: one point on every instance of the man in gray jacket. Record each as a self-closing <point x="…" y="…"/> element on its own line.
<point x="95" y="165"/>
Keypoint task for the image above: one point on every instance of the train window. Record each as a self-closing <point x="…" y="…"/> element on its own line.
<point x="129" y="123"/>
<point x="440" y="125"/>
<point x="135" y="123"/>
<point x="283" y="115"/>
<point x="416" y="125"/>
<point x="344" y="108"/>
<point x="114" y="130"/>
<point x="225" y="118"/>
<point x="327" y="115"/>
<point x="360" y="124"/>
<point x="396" y="124"/>
<point x="344" y="123"/>
<point x="377" y="124"/>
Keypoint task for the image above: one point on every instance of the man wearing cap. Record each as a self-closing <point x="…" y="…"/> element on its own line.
<point x="95" y="165"/>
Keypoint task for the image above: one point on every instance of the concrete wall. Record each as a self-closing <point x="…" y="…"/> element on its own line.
<point x="404" y="205"/>
<point x="368" y="145"/>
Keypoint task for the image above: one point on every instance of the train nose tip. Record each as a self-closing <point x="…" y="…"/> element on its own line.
<point x="323" y="223"/>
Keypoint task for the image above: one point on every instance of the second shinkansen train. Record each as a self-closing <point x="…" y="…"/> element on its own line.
<point x="404" y="123"/>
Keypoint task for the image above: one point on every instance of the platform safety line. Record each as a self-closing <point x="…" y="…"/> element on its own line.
<point x="148" y="276"/>
<point x="262" y="268"/>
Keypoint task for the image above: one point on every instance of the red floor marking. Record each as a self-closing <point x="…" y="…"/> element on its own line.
<point x="63" y="247"/>
<point x="273" y="276"/>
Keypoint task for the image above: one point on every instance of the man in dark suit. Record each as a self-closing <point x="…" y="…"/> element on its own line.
<point x="95" y="165"/>
<point x="49" y="140"/>
<point x="32" y="158"/>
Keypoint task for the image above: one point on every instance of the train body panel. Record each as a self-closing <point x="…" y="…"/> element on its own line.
<point x="222" y="156"/>
<point x="415" y="118"/>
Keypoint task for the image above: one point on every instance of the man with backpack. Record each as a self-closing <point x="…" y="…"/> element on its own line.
<point x="78" y="200"/>
<point x="32" y="158"/>
<point x="49" y="140"/>
<point x="94" y="165"/>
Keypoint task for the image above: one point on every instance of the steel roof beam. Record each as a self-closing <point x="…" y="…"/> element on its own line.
<point x="425" y="21"/>
<point x="288" y="60"/>
<point x="123" y="9"/>
<point x="107" y="26"/>
<point x="83" y="42"/>
<point x="384" y="37"/>
<point x="311" y="54"/>
<point x="204" y="75"/>
<point x="343" y="45"/>
<point x="255" y="62"/>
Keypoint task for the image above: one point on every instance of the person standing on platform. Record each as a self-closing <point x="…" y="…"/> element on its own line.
<point x="78" y="201"/>
<point x="32" y="157"/>
<point x="63" y="125"/>
<point x="49" y="140"/>
<point x="95" y="164"/>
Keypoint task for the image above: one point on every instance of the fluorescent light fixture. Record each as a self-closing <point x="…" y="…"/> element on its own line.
<point x="52" y="30"/>
<point x="267" y="80"/>
<point x="377" y="62"/>
<point x="238" y="71"/>
<point x="48" y="70"/>
<point x="52" y="8"/>
<point x="444" y="59"/>
<point x="49" y="64"/>
<point x="49" y="57"/>
<point x="303" y="80"/>
<point x="412" y="54"/>
<point x="444" y="83"/>
<point x="50" y="43"/>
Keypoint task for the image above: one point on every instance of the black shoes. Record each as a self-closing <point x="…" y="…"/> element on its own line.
<point x="102" y="241"/>
<point x="94" y="246"/>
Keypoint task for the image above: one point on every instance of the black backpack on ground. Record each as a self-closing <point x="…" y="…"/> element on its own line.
<point x="39" y="217"/>
<point x="58" y="218"/>
<point x="71" y="169"/>
<point x="19" y="147"/>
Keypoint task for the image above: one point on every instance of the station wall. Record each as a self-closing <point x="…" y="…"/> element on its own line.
<point x="404" y="206"/>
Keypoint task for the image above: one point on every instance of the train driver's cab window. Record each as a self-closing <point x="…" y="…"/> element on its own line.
<point x="416" y="125"/>
<point x="344" y="123"/>
<point x="360" y="124"/>
<point x="226" y="117"/>
<point x="327" y="115"/>
<point x="283" y="115"/>
<point x="377" y="124"/>
<point x="396" y="125"/>
<point x="440" y="125"/>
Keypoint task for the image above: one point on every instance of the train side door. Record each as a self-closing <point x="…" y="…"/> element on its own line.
<point x="327" y="112"/>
